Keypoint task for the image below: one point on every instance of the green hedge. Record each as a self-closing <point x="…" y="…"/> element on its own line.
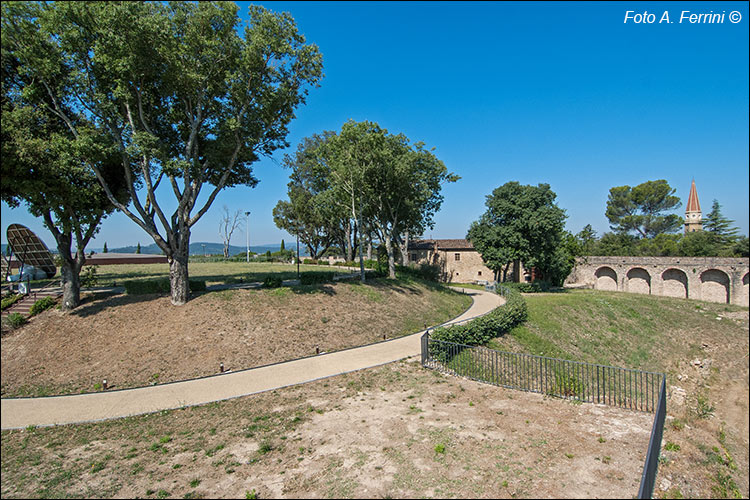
<point x="481" y="330"/>
<point x="315" y="278"/>
<point x="272" y="282"/>
<point x="41" y="305"/>
<point x="143" y="287"/>
<point x="427" y="272"/>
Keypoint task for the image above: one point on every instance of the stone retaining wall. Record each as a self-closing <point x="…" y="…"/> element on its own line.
<point x="713" y="279"/>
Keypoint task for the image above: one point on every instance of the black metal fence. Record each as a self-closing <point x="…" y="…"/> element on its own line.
<point x="586" y="382"/>
<point x="654" y="445"/>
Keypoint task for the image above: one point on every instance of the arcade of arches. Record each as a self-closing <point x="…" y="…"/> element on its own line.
<point x="713" y="279"/>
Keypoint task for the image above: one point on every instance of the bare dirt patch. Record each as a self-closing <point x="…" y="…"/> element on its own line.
<point x="139" y="340"/>
<point x="393" y="431"/>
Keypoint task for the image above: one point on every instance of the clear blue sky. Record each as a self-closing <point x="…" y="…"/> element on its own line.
<point x="560" y="93"/>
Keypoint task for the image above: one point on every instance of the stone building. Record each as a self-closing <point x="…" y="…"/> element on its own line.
<point x="458" y="260"/>
<point x="693" y="213"/>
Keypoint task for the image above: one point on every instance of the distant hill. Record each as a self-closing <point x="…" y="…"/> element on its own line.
<point x="195" y="249"/>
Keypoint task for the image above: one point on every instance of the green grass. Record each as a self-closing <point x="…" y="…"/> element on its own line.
<point x="618" y="329"/>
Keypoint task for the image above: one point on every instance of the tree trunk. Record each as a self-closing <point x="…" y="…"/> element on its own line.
<point x="369" y="249"/>
<point x="349" y="250"/>
<point x="178" y="277"/>
<point x="71" y="285"/>
<point x="391" y="259"/>
<point x="70" y="271"/>
<point x="405" y="250"/>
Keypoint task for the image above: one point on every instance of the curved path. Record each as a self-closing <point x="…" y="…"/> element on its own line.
<point x="55" y="410"/>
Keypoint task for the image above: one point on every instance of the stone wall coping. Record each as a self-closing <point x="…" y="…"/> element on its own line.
<point x="636" y="260"/>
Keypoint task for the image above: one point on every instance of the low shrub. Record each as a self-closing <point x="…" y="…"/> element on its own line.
<point x="41" y="305"/>
<point x="272" y="282"/>
<point x="88" y="277"/>
<point x="481" y="330"/>
<point x="323" y="263"/>
<point x="310" y="261"/>
<point x="10" y="300"/>
<point x="143" y="287"/>
<point x="16" y="320"/>
<point x="371" y="263"/>
<point x="315" y="278"/>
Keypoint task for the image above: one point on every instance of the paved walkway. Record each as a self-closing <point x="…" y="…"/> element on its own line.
<point x="22" y="412"/>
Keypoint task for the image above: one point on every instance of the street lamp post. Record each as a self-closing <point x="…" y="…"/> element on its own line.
<point x="247" y="239"/>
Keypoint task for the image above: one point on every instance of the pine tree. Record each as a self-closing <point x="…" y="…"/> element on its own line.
<point x="138" y="248"/>
<point x="716" y="223"/>
<point x="104" y="250"/>
<point x="282" y="245"/>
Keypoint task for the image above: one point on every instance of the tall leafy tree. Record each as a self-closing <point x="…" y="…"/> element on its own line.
<point x="311" y="212"/>
<point x="643" y="209"/>
<point x="44" y="164"/>
<point x="521" y="223"/>
<point x="390" y="186"/>
<point x="182" y="96"/>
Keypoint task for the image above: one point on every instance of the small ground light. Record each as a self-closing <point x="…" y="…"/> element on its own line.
<point x="104" y="384"/>
<point x="384" y="336"/>
<point x="317" y="350"/>
<point x="221" y="367"/>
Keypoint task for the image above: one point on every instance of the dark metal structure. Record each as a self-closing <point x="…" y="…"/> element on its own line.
<point x="648" y="479"/>
<point x="586" y="382"/>
<point x="30" y="250"/>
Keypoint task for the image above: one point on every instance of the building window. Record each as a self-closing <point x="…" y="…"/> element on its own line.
<point x="413" y="257"/>
<point x="479" y="273"/>
<point x="458" y="256"/>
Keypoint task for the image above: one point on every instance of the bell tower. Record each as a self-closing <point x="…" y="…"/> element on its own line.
<point x="693" y="213"/>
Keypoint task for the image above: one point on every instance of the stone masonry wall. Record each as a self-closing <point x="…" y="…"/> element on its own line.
<point x="713" y="279"/>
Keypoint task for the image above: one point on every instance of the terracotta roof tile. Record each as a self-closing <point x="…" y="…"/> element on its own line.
<point x="441" y="244"/>
<point x="693" y="205"/>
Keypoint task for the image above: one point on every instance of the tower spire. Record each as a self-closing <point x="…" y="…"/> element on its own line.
<point x="693" y="213"/>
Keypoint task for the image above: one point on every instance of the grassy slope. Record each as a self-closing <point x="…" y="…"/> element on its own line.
<point x="629" y="330"/>
<point x="706" y="453"/>
<point x="240" y="328"/>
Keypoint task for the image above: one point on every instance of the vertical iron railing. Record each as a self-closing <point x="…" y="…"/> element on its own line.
<point x="648" y="479"/>
<point x="586" y="382"/>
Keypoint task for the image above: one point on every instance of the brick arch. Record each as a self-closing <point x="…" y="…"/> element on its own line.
<point x="715" y="286"/>
<point x="606" y="279"/>
<point x="745" y="290"/>
<point x="675" y="283"/>
<point x="639" y="281"/>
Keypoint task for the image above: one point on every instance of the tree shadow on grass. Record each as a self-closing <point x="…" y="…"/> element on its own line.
<point x="96" y="302"/>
